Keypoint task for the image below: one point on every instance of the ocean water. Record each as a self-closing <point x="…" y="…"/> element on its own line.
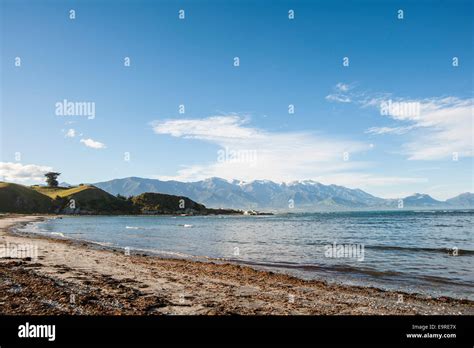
<point x="429" y="252"/>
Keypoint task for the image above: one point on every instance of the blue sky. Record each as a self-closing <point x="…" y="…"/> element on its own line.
<point x="337" y="134"/>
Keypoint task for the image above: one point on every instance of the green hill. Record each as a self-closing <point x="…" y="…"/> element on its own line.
<point x="85" y="199"/>
<point x="53" y="192"/>
<point x="91" y="200"/>
<point x="159" y="203"/>
<point x="16" y="198"/>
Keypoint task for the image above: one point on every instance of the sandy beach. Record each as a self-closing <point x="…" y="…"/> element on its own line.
<point x="70" y="277"/>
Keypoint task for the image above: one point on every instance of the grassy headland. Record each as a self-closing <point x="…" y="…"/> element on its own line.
<point x="90" y="200"/>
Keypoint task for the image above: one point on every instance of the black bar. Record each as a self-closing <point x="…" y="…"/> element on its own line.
<point x="255" y="330"/>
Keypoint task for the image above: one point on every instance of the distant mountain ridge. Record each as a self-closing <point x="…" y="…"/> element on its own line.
<point x="305" y="195"/>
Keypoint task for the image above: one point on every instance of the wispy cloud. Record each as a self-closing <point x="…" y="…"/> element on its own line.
<point x="389" y="130"/>
<point x="70" y="133"/>
<point x="280" y="156"/>
<point x="17" y="172"/>
<point x="219" y="129"/>
<point x="92" y="143"/>
<point x="343" y="87"/>
<point x="341" y="93"/>
<point x="443" y="125"/>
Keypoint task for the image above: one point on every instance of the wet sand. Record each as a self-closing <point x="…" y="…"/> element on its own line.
<point x="70" y="277"/>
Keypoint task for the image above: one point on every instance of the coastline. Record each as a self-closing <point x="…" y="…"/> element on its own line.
<point x="72" y="277"/>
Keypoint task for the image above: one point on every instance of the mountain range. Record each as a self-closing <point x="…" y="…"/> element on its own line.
<point x="305" y="195"/>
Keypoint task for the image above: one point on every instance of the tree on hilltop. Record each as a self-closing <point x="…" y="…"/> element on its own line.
<point x="51" y="179"/>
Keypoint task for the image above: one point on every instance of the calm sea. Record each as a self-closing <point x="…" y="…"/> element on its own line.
<point x="430" y="252"/>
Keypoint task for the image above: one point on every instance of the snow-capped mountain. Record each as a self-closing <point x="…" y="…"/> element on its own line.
<point x="304" y="195"/>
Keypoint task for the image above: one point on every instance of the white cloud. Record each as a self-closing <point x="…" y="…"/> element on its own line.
<point x="343" y="87"/>
<point x="214" y="128"/>
<point x="17" y="172"/>
<point x="71" y="133"/>
<point x="389" y="130"/>
<point x="92" y="143"/>
<point x="280" y="156"/>
<point x="443" y="125"/>
<point x="341" y="98"/>
<point x="340" y="93"/>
